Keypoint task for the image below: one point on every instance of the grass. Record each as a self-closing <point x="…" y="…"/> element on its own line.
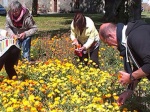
<point x="2" y="22"/>
<point x="60" y="23"/>
<point x="55" y="23"/>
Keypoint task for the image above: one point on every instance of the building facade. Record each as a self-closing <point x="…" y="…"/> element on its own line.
<point x="60" y="6"/>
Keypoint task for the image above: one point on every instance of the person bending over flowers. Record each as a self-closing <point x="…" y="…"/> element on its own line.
<point x="85" y="37"/>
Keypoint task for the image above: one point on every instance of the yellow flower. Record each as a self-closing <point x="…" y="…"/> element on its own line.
<point x="90" y="61"/>
<point x="57" y="98"/>
<point x="41" y="81"/>
<point x="116" y="97"/>
<point x="31" y="98"/>
<point x="33" y="109"/>
<point x="125" y="109"/>
<point x="106" y="103"/>
<point x="16" y="106"/>
<point x="93" y="63"/>
<point x="78" y="60"/>
<point x="14" y="77"/>
<point x="110" y="106"/>
<point x="85" y="59"/>
<point x="108" y="95"/>
<point x="26" y="103"/>
<point x="78" y="101"/>
<point x="13" y="100"/>
<point x="43" y="110"/>
<point x="10" y="109"/>
<point x="80" y="66"/>
<point x="37" y="103"/>
<point x="56" y="90"/>
<point x="145" y="79"/>
<point x="114" y="94"/>
<point x="103" y="49"/>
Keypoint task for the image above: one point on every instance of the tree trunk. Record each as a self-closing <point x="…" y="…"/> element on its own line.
<point x="122" y="10"/>
<point x="135" y="10"/>
<point x="109" y="13"/>
<point x="34" y="7"/>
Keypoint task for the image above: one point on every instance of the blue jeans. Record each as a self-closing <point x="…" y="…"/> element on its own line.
<point x="25" y="44"/>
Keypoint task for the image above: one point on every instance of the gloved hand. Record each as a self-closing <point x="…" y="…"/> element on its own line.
<point x="124" y="96"/>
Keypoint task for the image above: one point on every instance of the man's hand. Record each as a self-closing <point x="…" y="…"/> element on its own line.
<point x="125" y="78"/>
<point x="124" y="96"/>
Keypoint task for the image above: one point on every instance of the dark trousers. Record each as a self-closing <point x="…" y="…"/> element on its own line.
<point x="93" y="57"/>
<point x="9" y="59"/>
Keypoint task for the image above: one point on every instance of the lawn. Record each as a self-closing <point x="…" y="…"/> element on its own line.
<point x="60" y="23"/>
<point x="55" y="23"/>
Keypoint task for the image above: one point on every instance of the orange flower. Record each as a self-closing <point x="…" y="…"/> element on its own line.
<point x="1" y="77"/>
<point x="79" y="46"/>
<point x="119" y="76"/>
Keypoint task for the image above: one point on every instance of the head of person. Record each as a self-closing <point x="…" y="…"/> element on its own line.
<point x="79" y="21"/>
<point x="15" y="8"/>
<point x="107" y="33"/>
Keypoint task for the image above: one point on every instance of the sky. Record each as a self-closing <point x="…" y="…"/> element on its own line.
<point x="145" y="1"/>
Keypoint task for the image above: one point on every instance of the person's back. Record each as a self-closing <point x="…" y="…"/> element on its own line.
<point x="9" y="54"/>
<point x="138" y="33"/>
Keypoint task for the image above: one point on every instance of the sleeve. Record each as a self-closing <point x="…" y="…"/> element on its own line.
<point x="92" y="35"/>
<point x="140" y="47"/>
<point x="30" y="23"/>
<point x="72" y="35"/>
<point x="8" y="26"/>
<point x="88" y="43"/>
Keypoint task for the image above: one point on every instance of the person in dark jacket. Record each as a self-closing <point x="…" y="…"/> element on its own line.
<point x="132" y="41"/>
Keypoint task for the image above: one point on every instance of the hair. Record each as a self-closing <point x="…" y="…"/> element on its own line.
<point x="104" y="32"/>
<point x="15" y="5"/>
<point x="79" y="19"/>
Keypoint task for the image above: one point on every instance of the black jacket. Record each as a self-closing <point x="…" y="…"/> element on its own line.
<point x="138" y="33"/>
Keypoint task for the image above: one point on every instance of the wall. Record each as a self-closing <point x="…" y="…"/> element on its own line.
<point x="63" y="6"/>
<point x="146" y="7"/>
<point x="26" y="3"/>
